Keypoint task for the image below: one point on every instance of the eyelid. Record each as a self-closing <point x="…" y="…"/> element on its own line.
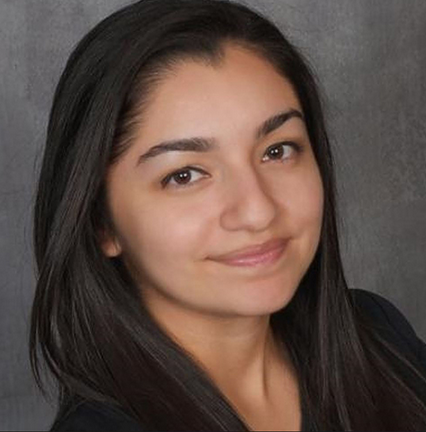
<point x="165" y="182"/>
<point x="298" y="148"/>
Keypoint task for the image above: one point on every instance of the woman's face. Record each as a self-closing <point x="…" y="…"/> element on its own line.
<point x="247" y="189"/>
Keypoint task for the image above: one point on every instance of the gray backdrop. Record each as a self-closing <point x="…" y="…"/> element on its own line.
<point x="370" y="57"/>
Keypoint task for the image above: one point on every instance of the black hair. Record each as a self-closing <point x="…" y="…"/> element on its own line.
<point x="89" y="324"/>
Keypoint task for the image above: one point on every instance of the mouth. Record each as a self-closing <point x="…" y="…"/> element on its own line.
<point x="258" y="255"/>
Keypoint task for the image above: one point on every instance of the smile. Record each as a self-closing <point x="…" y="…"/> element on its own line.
<point x="256" y="260"/>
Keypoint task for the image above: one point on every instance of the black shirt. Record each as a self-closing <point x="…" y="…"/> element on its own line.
<point x="94" y="417"/>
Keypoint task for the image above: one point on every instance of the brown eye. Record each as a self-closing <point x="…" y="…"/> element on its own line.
<point x="283" y="151"/>
<point x="181" y="178"/>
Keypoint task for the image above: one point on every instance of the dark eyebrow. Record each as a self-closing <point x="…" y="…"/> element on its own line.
<point x="200" y="144"/>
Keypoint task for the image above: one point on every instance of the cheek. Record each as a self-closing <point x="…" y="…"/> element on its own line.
<point x="310" y="205"/>
<point x="310" y="202"/>
<point x="165" y="236"/>
<point x="302" y="201"/>
<point x="303" y="211"/>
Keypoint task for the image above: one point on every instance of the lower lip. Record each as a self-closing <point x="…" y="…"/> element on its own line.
<point x="257" y="260"/>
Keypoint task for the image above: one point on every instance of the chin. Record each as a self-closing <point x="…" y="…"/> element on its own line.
<point x="263" y="304"/>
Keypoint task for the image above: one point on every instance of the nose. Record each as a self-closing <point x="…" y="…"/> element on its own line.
<point x="249" y="204"/>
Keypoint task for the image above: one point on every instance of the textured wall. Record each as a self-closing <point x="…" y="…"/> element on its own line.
<point x="370" y="57"/>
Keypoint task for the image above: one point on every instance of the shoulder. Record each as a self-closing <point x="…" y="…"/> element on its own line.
<point x="93" y="417"/>
<point x="390" y="322"/>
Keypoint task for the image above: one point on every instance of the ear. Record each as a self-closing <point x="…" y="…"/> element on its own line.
<point x="110" y="245"/>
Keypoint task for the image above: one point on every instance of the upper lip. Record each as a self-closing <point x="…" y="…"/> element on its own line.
<point x="254" y="250"/>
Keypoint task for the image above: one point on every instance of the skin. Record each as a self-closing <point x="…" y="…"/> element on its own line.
<point x="243" y="196"/>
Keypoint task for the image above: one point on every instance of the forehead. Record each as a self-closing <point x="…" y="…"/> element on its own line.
<point x="244" y="90"/>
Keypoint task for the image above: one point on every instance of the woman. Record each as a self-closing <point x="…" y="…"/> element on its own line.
<point x="186" y="240"/>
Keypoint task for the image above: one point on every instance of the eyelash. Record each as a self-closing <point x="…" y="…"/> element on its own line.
<point x="165" y="182"/>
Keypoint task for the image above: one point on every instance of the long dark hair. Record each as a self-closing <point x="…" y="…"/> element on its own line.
<point x="88" y="321"/>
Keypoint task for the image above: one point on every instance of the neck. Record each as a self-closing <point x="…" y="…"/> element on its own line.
<point x="239" y="354"/>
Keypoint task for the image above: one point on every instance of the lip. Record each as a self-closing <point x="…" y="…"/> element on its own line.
<point x="263" y="253"/>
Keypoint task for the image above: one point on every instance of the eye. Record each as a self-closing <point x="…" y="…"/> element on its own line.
<point x="181" y="178"/>
<point x="283" y="150"/>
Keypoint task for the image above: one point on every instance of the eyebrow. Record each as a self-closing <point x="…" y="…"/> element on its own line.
<point x="203" y="145"/>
